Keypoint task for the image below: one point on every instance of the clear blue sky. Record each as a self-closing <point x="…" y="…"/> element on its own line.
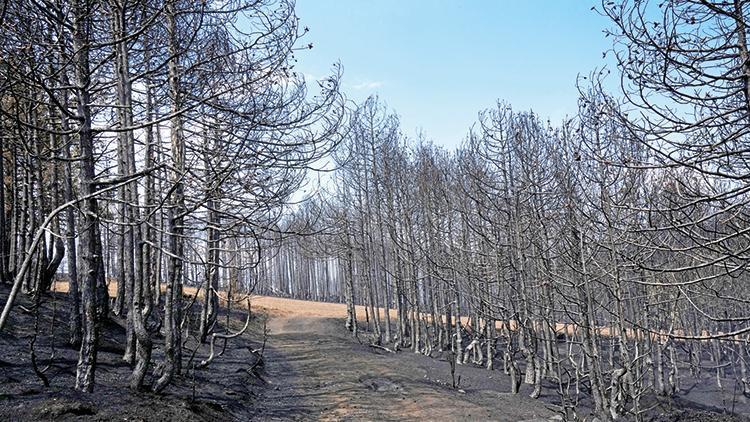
<point x="438" y="62"/>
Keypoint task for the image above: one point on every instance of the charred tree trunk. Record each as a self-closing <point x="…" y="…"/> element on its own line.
<point x="89" y="252"/>
<point x="173" y="299"/>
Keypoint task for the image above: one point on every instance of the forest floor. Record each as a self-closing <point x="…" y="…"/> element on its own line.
<point x="314" y="370"/>
<point x="225" y="390"/>
<point x="317" y="370"/>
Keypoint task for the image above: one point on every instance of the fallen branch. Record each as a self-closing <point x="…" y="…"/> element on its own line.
<point x="253" y="370"/>
<point x="258" y="361"/>
<point x="382" y="348"/>
<point x="254" y="373"/>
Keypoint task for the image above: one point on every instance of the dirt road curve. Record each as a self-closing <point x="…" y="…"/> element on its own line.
<point x="317" y="371"/>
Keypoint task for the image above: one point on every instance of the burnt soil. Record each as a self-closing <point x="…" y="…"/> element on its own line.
<point x="313" y="369"/>
<point x="224" y="390"/>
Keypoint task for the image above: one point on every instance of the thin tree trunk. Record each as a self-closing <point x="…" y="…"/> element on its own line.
<point x="89" y="247"/>
<point x="173" y="300"/>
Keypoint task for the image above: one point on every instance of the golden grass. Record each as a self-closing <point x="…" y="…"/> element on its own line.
<point x="277" y="306"/>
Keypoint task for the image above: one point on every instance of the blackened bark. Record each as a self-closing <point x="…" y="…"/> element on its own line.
<point x="89" y="265"/>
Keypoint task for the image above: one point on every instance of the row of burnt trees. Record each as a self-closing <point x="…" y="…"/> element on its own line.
<point x="149" y="145"/>
<point x="606" y="255"/>
<point x="561" y="266"/>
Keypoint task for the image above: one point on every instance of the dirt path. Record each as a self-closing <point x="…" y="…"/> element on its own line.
<point x="316" y="370"/>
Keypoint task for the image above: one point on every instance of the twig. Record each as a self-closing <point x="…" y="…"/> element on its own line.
<point x="382" y="348"/>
